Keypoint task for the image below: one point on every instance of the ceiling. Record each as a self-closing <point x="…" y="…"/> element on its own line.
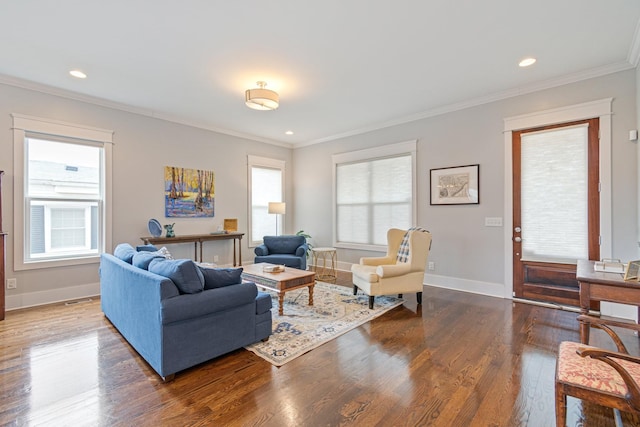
<point x="341" y="67"/>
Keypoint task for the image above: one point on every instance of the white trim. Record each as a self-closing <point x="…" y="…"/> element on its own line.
<point x="464" y="285"/>
<point x="32" y="299"/>
<point x="59" y="128"/>
<point x="406" y="147"/>
<point x="600" y="109"/>
<point x="521" y="90"/>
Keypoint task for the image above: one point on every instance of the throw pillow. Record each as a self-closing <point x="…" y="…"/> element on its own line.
<point x="147" y="248"/>
<point x="164" y="252"/>
<point x="125" y="252"/>
<point x="144" y="258"/>
<point x="220" y="277"/>
<point x="183" y="272"/>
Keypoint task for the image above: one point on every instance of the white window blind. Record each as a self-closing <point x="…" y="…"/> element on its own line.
<point x="554" y="197"/>
<point x="266" y="184"/>
<point x="374" y="194"/>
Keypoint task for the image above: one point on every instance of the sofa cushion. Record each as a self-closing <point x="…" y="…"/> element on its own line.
<point x="125" y="252"/>
<point x="219" y="277"/>
<point x="183" y="272"/>
<point x="144" y="258"/>
<point x="211" y="301"/>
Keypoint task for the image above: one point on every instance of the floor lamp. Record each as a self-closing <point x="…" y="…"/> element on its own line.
<point x="278" y="208"/>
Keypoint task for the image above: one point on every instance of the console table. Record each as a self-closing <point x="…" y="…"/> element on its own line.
<point x="600" y="286"/>
<point x="198" y="240"/>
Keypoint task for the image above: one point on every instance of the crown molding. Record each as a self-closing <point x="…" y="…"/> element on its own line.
<point x="63" y="93"/>
<point x="522" y="90"/>
<point x="634" y="50"/>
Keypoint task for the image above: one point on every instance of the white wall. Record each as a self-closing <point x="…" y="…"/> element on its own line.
<point x="468" y="255"/>
<point x="143" y="147"/>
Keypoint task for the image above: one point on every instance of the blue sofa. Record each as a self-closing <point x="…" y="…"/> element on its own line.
<point x="173" y="330"/>
<point x="289" y="250"/>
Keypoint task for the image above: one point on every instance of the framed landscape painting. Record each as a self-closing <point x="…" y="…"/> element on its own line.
<point x="457" y="185"/>
<point x="188" y="192"/>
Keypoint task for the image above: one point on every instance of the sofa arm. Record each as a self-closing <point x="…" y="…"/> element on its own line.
<point x="393" y="270"/>
<point x="189" y="306"/>
<point x="261" y="250"/>
<point x="302" y="250"/>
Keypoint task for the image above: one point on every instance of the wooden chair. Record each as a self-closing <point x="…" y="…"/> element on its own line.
<point x="607" y="378"/>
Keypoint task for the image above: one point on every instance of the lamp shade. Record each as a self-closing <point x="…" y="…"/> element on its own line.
<point x="277" y="208"/>
<point x="261" y="98"/>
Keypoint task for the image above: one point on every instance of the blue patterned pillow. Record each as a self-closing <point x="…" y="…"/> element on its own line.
<point x="183" y="272"/>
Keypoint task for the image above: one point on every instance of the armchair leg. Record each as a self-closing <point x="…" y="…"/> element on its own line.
<point x="355" y="290"/>
<point x="371" y="302"/>
<point x="419" y="297"/>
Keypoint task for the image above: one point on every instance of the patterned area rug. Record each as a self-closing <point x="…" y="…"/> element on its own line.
<point x="302" y="328"/>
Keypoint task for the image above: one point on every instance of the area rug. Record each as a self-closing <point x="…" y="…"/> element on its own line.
<point x="302" y="328"/>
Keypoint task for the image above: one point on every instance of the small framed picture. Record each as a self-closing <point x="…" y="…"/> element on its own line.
<point x="458" y="185"/>
<point x="633" y="271"/>
<point x="230" y="225"/>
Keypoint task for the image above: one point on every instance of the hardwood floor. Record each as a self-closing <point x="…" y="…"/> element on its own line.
<point x="458" y="360"/>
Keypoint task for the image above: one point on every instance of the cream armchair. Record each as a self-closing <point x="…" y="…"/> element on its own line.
<point x="400" y="271"/>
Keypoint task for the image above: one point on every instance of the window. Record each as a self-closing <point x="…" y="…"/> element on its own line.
<point x="266" y="184"/>
<point x="62" y="184"/>
<point x="374" y="190"/>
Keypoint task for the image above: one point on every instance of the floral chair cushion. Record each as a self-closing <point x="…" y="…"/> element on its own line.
<point x="591" y="373"/>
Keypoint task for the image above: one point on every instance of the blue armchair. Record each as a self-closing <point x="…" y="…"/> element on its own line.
<point x="289" y="250"/>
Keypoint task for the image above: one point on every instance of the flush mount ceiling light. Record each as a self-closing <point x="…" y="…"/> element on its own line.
<point x="261" y="99"/>
<point x="527" y="61"/>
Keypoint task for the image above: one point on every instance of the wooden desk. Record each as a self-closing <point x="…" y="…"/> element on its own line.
<point x="199" y="239"/>
<point x="599" y="286"/>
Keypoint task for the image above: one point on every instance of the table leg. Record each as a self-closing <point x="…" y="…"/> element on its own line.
<point x="234" y="252"/>
<point x="239" y="251"/>
<point x="195" y="251"/>
<point x="280" y="303"/>
<point x="585" y="302"/>
<point x="311" y="293"/>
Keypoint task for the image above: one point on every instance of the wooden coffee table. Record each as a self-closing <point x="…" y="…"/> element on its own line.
<point x="288" y="280"/>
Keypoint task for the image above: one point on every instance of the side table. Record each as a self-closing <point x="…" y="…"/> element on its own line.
<point x="329" y="258"/>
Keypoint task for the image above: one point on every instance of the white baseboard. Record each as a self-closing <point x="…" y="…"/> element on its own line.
<point x="465" y="285"/>
<point x="32" y="299"/>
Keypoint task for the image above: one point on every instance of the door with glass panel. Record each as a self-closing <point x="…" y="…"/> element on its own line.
<point x="555" y="209"/>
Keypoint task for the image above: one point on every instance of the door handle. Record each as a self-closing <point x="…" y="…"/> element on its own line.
<point x="517" y="239"/>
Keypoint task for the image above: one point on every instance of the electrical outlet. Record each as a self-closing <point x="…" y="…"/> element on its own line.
<point x="12" y="283"/>
<point x="432" y="265"/>
<point x="216" y="258"/>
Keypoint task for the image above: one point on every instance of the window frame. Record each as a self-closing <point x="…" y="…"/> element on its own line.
<point x="265" y="163"/>
<point x="370" y="154"/>
<point x="25" y="126"/>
